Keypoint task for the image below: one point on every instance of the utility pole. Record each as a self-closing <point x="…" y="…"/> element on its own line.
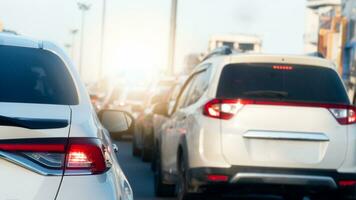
<point x="102" y="40"/>
<point x="73" y="32"/>
<point x="172" y="37"/>
<point x="84" y="8"/>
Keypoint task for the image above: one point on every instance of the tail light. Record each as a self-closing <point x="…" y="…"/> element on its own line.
<point x="227" y="108"/>
<point x="217" y="178"/>
<point x="344" y="115"/>
<point x="57" y="156"/>
<point x="347" y="183"/>
<point x="86" y="156"/>
<point x="224" y="108"/>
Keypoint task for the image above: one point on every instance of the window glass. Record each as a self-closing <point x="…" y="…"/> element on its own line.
<point x="282" y="83"/>
<point x="29" y="75"/>
<point x="199" y="86"/>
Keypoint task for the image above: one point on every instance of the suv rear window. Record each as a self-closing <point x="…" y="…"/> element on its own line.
<point x="282" y="83"/>
<point x="30" y="75"/>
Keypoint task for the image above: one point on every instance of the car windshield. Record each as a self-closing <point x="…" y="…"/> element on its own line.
<point x="29" y="75"/>
<point x="281" y="82"/>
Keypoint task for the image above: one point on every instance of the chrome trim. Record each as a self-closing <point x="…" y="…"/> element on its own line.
<point x="27" y="164"/>
<point x="270" y="135"/>
<point x="286" y="179"/>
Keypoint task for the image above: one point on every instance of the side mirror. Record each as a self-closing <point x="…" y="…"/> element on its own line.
<point x="161" y="109"/>
<point x="118" y="123"/>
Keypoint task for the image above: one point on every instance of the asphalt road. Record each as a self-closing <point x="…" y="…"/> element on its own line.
<point x="140" y="175"/>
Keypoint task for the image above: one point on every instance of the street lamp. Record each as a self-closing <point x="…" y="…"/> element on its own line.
<point x="82" y="7"/>
<point x="68" y="46"/>
<point x="172" y="37"/>
<point x="73" y="32"/>
<point x="102" y="40"/>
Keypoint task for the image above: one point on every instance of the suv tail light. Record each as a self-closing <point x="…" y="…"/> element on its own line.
<point x="55" y="156"/>
<point x="344" y="115"/>
<point x="227" y="108"/>
<point x="224" y="108"/>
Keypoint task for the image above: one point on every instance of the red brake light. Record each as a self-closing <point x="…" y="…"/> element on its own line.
<point x="73" y="156"/>
<point x="53" y="148"/>
<point x="344" y="115"/>
<point x="85" y="155"/>
<point x="217" y="178"/>
<point x="347" y="183"/>
<point x="224" y="108"/>
<point x="283" y="67"/>
<point x="227" y="108"/>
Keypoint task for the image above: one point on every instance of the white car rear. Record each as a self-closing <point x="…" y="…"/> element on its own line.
<point x="52" y="145"/>
<point x="284" y="123"/>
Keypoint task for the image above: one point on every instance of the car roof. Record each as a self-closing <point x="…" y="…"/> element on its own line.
<point x="288" y="59"/>
<point x="273" y="58"/>
<point x="7" y="39"/>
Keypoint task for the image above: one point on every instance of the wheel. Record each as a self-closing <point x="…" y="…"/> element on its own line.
<point x="328" y="196"/>
<point x="182" y="185"/>
<point x="154" y="158"/>
<point x="146" y="153"/>
<point x="135" y="151"/>
<point x="161" y="189"/>
<point x="293" y="197"/>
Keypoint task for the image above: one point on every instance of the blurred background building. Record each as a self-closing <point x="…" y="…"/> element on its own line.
<point x="317" y="12"/>
<point x="238" y="42"/>
<point x="330" y="31"/>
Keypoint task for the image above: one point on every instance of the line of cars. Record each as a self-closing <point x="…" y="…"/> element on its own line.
<point x="265" y="124"/>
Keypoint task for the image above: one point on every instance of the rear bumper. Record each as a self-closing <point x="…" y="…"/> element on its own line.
<point x="269" y="180"/>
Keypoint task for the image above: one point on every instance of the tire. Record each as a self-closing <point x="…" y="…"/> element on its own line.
<point x="183" y="185"/>
<point x="135" y="151"/>
<point x="161" y="189"/>
<point x="293" y="197"/>
<point x="154" y="158"/>
<point x="146" y="153"/>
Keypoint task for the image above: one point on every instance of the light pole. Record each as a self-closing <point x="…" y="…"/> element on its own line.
<point x="172" y="37"/>
<point x="102" y="40"/>
<point x="73" y="32"/>
<point x="68" y="46"/>
<point x="82" y="7"/>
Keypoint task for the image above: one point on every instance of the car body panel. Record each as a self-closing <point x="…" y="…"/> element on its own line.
<point x="31" y="184"/>
<point x="284" y="136"/>
<point x="18" y="182"/>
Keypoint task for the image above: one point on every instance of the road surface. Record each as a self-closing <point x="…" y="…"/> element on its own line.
<point x="140" y="175"/>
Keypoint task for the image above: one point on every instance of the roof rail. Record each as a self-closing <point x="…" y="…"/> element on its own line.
<point x="316" y="54"/>
<point x="221" y="51"/>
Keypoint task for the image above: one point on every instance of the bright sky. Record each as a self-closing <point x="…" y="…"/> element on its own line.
<point x="137" y="30"/>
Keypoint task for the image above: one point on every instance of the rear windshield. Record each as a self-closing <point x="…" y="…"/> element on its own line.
<point x="282" y="82"/>
<point x="30" y="75"/>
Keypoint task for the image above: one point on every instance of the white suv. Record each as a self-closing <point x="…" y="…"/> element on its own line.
<point x="260" y="124"/>
<point x="52" y="146"/>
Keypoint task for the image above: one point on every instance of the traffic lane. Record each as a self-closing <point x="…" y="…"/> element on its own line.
<point x="140" y="175"/>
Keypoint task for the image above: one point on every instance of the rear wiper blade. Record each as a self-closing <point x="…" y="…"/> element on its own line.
<point x="266" y="93"/>
<point x="32" y="123"/>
